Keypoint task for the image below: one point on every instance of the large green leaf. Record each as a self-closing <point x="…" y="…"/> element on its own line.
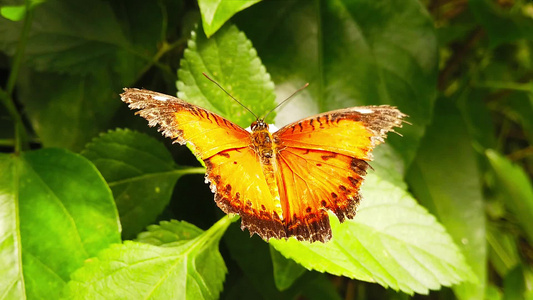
<point x="392" y="241"/>
<point x="140" y="172"/>
<point x="79" y="56"/>
<point x="67" y="111"/>
<point x="216" y="12"/>
<point x="445" y="178"/>
<point x="228" y="57"/>
<point x="189" y="268"/>
<point x="352" y="53"/>
<point x="64" y="214"/>
<point x="87" y="38"/>
<point x="11" y="273"/>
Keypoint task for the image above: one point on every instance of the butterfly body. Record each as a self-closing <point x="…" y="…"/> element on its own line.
<point x="266" y="150"/>
<point x="282" y="184"/>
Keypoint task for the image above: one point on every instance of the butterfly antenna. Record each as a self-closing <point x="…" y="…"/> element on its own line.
<point x="230" y="95"/>
<point x="285" y="101"/>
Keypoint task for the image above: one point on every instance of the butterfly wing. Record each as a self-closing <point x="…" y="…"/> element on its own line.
<point x="240" y="187"/>
<point x="322" y="161"/>
<point x="207" y="133"/>
<point x="233" y="168"/>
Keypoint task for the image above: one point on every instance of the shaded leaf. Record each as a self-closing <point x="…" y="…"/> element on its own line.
<point x="503" y="253"/>
<point x="445" y="178"/>
<point x="352" y="53"/>
<point x="286" y="271"/>
<point x="140" y="172"/>
<point x="95" y="48"/>
<point x="252" y="255"/>
<point x="67" y="111"/>
<point x="216" y="12"/>
<point x="65" y="213"/>
<point x="517" y="188"/>
<point x="191" y="269"/>
<point x="502" y="24"/>
<point x="514" y="286"/>
<point x="478" y="119"/>
<point x="321" y="288"/>
<point x="519" y="108"/>
<point x="227" y="57"/>
<point x="392" y="241"/>
<point x="87" y="38"/>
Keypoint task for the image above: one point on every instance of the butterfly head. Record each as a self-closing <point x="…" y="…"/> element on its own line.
<point x="259" y="125"/>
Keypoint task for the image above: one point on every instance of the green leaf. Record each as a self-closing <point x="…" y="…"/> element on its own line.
<point x="191" y="269"/>
<point x="67" y="111"/>
<point x="253" y="257"/>
<point x="168" y="232"/>
<point x="355" y="53"/>
<point x="503" y="253"/>
<point x="445" y="178"/>
<point x="13" y="12"/>
<point x="514" y="285"/>
<point x="519" y="108"/>
<point x="227" y="57"/>
<point x="87" y="38"/>
<point x="478" y="119"/>
<point x="392" y="241"/>
<point x="216" y="12"/>
<point x="65" y="214"/>
<point x="140" y="172"/>
<point x="493" y="293"/>
<point x="73" y="96"/>
<point x="321" y="288"/>
<point x="503" y="25"/>
<point x="11" y="273"/>
<point x="16" y="13"/>
<point x="286" y="271"/>
<point x="517" y="188"/>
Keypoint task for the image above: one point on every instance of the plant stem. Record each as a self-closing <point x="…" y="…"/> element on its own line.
<point x="21" y="141"/>
<point x="524" y="87"/>
<point x="214" y="233"/>
<point x="21" y="47"/>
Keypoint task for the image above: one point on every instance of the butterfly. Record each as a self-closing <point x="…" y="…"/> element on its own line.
<point x="282" y="184"/>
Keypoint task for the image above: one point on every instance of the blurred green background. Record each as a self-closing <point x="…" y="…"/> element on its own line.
<point x="461" y="69"/>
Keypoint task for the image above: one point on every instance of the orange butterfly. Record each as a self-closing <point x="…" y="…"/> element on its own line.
<point x="281" y="184"/>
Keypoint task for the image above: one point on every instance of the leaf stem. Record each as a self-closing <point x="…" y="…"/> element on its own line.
<point x="20" y="131"/>
<point x="197" y="170"/>
<point x="154" y="61"/>
<point x="21" y="141"/>
<point x="218" y="229"/>
<point x="180" y="172"/>
<point x="21" y="47"/>
<point x="524" y="87"/>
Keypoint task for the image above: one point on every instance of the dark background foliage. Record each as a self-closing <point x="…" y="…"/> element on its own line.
<point x="81" y="176"/>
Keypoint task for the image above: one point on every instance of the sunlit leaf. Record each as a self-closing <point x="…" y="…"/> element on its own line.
<point x="65" y="214"/>
<point x="186" y="269"/>
<point x="392" y="241"/>
<point x="227" y="57"/>
<point x="216" y="12"/>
